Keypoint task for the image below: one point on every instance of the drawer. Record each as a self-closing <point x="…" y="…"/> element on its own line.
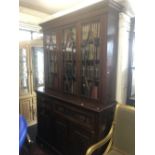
<point x="78" y="115"/>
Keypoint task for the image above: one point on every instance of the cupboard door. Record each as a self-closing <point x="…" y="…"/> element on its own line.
<point x="24" y="71"/>
<point x="26" y="109"/>
<point x="60" y="135"/>
<point x="80" y="140"/>
<point x="90" y="53"/>
<point x="69" y="54"/>
<point x="37" y="56"/>
<point x="51" y="61"/>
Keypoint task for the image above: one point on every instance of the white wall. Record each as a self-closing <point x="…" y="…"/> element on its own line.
<point x="122" y="65"/>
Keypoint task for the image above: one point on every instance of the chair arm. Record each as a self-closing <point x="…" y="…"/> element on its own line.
<point x="99" y="144"/>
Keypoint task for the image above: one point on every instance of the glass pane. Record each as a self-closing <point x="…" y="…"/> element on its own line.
<point x="23" y="72"/>
<point x="133" y="84"/>
<point x="133" y="69"/>
<point x="69" y="61"/>
<point x="90" y="60"/>
<point x="133" y="53"/>
<point x="52" y="56"/>
<point x="38" y="67"/>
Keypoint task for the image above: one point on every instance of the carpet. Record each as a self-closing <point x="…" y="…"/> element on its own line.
<point x="33" y="148"/>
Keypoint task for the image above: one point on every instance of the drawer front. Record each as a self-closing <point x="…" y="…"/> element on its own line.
<point x="77" y="115"/>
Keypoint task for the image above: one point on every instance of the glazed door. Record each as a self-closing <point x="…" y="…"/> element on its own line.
<point x="24" y="71"/>
<point x="51" y="61"/>
<point x="31" y="76"/>
<point x="37" y="55"/>
<point x="90" y="59"/>
<point x="69" y="56"/>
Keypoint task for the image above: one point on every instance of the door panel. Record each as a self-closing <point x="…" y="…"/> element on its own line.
<point x="26" y="109"/>
<point x="24" y="71"/>
<point x="60" y="131"/>
<point x="80" y="141"/>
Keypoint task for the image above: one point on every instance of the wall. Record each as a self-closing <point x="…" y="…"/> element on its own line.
<point x="122" y="66"/>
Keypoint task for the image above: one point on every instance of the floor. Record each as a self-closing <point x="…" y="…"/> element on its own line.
<point x="33" y="148"/>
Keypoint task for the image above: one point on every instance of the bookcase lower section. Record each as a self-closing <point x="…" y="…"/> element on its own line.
<point x="69" y="129"/>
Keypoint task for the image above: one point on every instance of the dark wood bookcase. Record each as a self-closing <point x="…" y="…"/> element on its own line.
<point x="75" y="109"/>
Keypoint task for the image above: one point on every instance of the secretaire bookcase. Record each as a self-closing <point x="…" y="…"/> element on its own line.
<point x="75" y="108"/>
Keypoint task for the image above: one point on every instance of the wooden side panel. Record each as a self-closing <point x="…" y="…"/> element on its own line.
<point x="26" y="109"/>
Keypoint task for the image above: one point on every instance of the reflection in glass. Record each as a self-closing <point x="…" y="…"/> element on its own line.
<point x="133" y="84"/>
<point x="131" y="73"/>
<point x="133" y="69"/>
<point x="38" y="67"/>
<point x="132" y="95"/>
<point x="23" y="71"/>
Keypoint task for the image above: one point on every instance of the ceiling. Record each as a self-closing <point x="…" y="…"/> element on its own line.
<point x="33" y="12"/>
<point x="49" y="6"/>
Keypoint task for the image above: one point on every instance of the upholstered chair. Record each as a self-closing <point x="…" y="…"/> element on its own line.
<point x="121" y="136"/>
